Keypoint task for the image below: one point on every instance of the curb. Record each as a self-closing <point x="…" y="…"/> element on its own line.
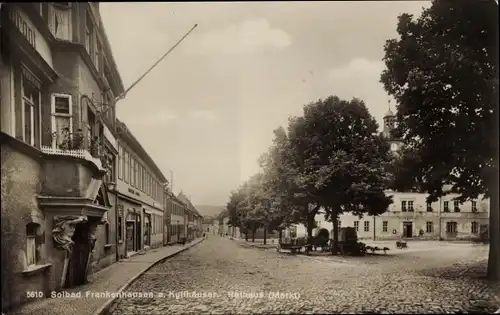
<point x="109" y="305"/>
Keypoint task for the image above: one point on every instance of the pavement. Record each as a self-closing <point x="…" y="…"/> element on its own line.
<point x="223" y="277"/>
<point x="112" y="279"/>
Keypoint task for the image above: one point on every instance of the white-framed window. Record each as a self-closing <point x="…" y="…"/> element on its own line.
<point x="473" y="206"/>
<point x="456" y="206"/>
<point x="31" y="115"/>
<point x="62" y="118"/>
<point x="97" y="57"/>
<point x="126" y="169"/>
<point x="31" y="244"/>
<point x="385" y="225"/>
<point x="120" y="162"/>
<point x="446" y="206"/>
<point x="429" y="227"/>
<point x="429" y="206"/>
<point x="451" y="227"/>
<point x="410" y="206"/>
<point x="60" y="21"/>
<point x="89" y="35"/>
<point x="367" y="226"/>
<point x="474" y="228"/>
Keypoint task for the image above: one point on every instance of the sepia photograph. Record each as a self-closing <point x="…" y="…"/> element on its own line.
<point x="259" y="157"/>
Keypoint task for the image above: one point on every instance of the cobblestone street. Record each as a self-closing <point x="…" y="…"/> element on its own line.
<point x="442" y="279"/>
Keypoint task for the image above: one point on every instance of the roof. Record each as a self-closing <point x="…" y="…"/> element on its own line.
<point x="124" y="133"/>
<point x="389" y="113"/>
<point x="186" y="200"/>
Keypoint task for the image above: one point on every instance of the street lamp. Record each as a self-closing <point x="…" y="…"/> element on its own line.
<point x="112" y="187"/>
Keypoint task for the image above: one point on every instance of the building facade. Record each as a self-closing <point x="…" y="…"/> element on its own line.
<point x="57" y="89"/>
<point x="410" y="216"/>
<point x="139" y="195"/>
<point x="177" y="210"/>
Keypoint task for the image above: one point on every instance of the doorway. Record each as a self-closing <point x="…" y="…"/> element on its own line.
<point x="408" y="229"/>
<point x="77" y="267"/>
<point x="129" y="234"/>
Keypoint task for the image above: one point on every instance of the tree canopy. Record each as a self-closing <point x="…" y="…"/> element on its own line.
<point x="443" y="72"/>
<point x="331" y="158"/>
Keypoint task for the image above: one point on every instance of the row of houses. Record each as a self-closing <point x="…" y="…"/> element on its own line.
<point x="79" y="192"/>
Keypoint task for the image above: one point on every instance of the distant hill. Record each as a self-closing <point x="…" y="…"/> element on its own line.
<point x="210" y="211"/>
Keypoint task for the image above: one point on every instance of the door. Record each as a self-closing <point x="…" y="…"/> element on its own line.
<point x="407" y="229"/>
<point x="77" y="267"/>
<point x="130" y="236"/>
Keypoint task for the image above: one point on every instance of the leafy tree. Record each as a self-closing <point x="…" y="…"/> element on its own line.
<point x="344" y="159"/>
<point x="274" y="183"/>
<point x="443" y="72"/>
<point x="301" y="186"/>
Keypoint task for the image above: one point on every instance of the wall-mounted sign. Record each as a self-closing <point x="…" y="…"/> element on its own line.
<point x="23" y="27"/>
<point x="130" y="190"/>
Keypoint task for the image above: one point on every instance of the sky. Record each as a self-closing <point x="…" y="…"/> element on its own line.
<point x="208" y="110"/>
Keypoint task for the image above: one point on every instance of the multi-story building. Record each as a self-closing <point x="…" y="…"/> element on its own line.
<point x="57" y="91"/>
<point x="410" y="216"/>
<point x="139" y="194"/>
<point x="192" y="217"/>
<point x="176" y="221"/>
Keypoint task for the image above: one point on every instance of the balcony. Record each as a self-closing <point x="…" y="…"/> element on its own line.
<point x="77" y="146"/>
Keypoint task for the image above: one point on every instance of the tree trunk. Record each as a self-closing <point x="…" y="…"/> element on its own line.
<point x="493" y="272"/>
<point x="280" y="234"/>
<point x="310" y="224"/>
<point x="253" y="234"/>
<point x="246" y="235"/>
<point x="335" y="236"/>
<point x="265" y="235"/>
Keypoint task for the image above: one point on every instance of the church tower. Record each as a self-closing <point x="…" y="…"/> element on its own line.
<point x="389" y="122"/>
<point x="389" y="125"/>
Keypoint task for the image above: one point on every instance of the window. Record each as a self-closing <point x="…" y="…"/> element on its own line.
<point x="97" y="59"/>
<point x="474" y="206"/>
<point x="367" y="226"/>
<point x="143" y="179"/>
<point x="107" y="233"/>
<point x="446" y="206"/>
<point x="89" y="35"/>
<point x="429" y="228"/>
<point x="31" y="244"/>
<point x="61" y="21"/>
<point x="474" y="228"/>
<point x="62" y="121"/>
<point x="456" y="206"/>
<point x="126" y="168"/>
<point x="403" y="206"/>
<point x="30" y="115"/>
<point x="120" y="222"/>
<point x="132" y="173"/>
<point x="385" y="226"/>
<point x="451" y="227"/>
<point x="136" y="174"/>
<point x="410" y="206"/>
<point x="429" y="207"/>
<point x="139" y="177"/>
<point x="120" y="162"/>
